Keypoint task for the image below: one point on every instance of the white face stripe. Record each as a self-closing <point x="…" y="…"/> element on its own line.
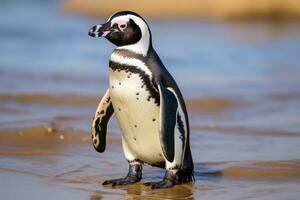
<point x="115" y="57"/>
<point x="142" y="46"/>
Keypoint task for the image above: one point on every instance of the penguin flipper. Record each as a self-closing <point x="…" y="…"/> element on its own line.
<point x="168" y="112"/>
<point x="102" y="116"/>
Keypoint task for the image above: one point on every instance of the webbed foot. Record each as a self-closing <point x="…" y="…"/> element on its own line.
<point x="168" y="181"/>
<point x="134" y="175"/>
<point x="121" y="181"/>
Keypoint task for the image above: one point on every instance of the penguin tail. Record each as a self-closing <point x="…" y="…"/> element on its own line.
<point x="186" y="173"/>
<point x="186" y="176"/>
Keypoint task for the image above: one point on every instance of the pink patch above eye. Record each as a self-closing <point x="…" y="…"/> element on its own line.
<point x="120" y="21"/>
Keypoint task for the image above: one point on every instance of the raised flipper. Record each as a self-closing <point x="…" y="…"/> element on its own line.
<point x="168" y="112"/>
<point x="99" y="126"/>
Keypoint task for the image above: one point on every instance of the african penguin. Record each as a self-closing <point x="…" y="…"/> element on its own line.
<point x="147" y="103"/>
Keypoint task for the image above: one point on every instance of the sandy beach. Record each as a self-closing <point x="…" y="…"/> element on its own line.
<point x="240" y="81"/>
<point x="274" y="10"/>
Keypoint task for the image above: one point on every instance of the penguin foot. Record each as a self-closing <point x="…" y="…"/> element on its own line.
<point x="134" y="175"/>
<point x="168" y="181"/>
<point x="121" y="181"/>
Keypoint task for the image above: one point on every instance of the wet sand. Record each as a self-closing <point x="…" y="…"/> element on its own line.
<point x="54" y="158"/>
<point x="39" y="163"/>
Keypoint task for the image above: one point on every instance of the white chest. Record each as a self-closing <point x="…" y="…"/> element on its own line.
<point x="137" y="114"/>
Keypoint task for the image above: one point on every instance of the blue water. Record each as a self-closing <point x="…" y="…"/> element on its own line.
<point x="38" y="43"/>
<point x="43" y="50"/>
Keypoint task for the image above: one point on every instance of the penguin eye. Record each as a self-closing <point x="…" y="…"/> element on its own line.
<point x="123" y="26"/>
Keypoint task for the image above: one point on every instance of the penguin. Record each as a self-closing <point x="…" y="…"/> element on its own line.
<point x="146" y="102"/>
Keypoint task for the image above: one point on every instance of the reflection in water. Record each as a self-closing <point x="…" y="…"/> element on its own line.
<point x="205" y="175"/>
<point x="139" y="191"/>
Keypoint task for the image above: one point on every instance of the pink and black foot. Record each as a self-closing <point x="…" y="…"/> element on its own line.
<point x="134" y="175"/>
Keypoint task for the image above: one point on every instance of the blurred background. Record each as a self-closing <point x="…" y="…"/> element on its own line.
<point x="236" y="61"/>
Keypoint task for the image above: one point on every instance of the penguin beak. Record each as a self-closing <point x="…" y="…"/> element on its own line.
<point x="100" y="30"/>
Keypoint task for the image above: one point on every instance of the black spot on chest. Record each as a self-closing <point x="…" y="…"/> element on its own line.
<point x="146" y="81"/>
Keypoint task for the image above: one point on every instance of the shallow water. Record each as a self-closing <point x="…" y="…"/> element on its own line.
<point x="240" y="81"/>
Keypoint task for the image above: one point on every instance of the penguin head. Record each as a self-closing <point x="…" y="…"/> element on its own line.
<point x="125" y="29"/>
